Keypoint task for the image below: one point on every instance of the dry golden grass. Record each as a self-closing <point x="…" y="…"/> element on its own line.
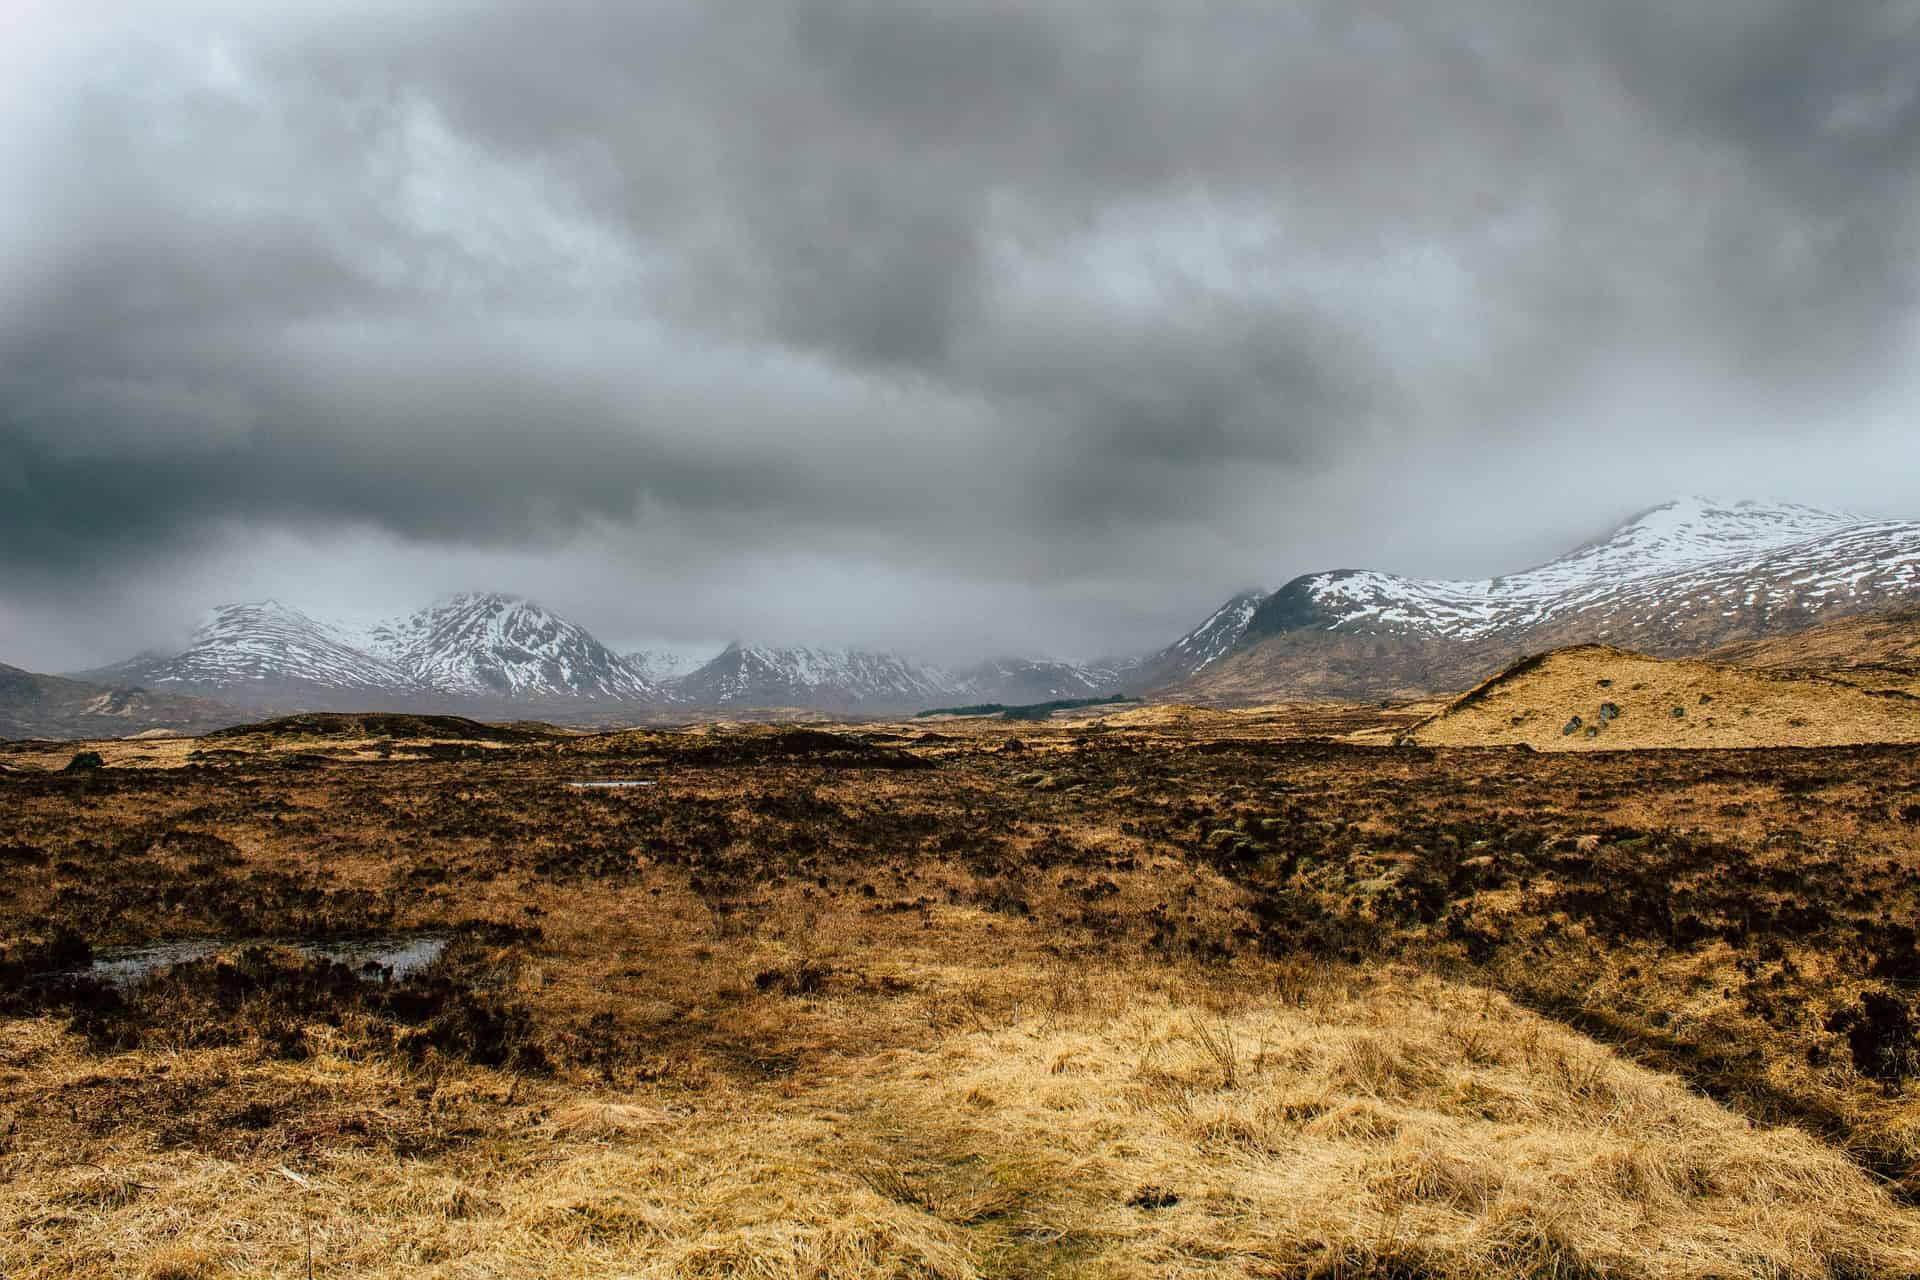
<point x="1664" y="703"/>
<point x="1137" y="1121"/>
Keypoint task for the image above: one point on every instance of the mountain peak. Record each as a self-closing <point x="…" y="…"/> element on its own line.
<point x="1694" y="513"/>
<point x="497" y="601"/>
<point x="1752" y="559"/>
<point x="263" y="609"/>
<point x="492" y="644"/>
<point x="273" y="648"/>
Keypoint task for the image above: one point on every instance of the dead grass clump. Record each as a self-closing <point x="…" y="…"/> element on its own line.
<point x="605" y="1120"/>
<point x="182" y="1262"/>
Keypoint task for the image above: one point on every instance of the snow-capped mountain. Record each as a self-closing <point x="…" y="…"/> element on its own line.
<point x="1658" y="573"/>
<point x="1216" y="637"/>
<point x="268" y="653"/>
<point x="829" y="679"/>
<point x="664" y="665"/>
<point x="1024" y="680"/>
<point x="500" y="646"/>
<point x="861" y="680"/>
<point x="487" y="652"/>
<point x="1680" y="578"/>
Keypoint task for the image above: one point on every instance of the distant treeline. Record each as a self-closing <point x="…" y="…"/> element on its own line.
<point x="1031" y="711"/>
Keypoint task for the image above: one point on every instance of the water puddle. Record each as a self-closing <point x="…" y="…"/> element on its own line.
<point x="404" y="954"/>
<point x="611" y="784"/>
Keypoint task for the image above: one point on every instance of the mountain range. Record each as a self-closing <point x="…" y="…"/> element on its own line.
<point x="502" y="654"/>
<point x="1678" y="579"/>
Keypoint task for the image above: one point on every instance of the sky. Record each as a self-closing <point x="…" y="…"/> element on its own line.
<point x="957" y="328"/>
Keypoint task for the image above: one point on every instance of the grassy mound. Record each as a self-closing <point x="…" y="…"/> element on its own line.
<point x="363" y="725"/>
<point x="1594" y="697"/>
<point x="749" y="746"/>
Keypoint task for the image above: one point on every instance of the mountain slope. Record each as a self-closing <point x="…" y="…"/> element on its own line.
<point x="858" y="680"/>
<point x="268" y="654"/>
<point x="1872" y="640"/>
<point x="495" y="646"/>
<point x="1679" y="579"/>
<point x="826" y="679"/>
<point x="37" y="706"/>
<point x="1217" y="636"/>
<point x="662" y="666"/>
<point x="1024" y="680"/>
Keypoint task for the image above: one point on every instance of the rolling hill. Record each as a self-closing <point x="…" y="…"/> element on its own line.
<point x="1597" y="697"/>
<point x="37" y="706"/>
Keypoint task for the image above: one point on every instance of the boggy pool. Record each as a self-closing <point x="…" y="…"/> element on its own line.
<point x="400" y="954"/>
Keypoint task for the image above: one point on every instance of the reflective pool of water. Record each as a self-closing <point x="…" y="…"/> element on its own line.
<point x="402" y="953"/>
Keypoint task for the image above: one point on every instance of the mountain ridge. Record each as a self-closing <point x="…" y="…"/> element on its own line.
<point x="1676" y="579"/>
<point x="1680" y="578"/>
<point x="495" y="645"/>
<point x="493" y="651"/>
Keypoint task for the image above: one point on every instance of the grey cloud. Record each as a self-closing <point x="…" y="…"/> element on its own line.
<point x="1049" y="295"/>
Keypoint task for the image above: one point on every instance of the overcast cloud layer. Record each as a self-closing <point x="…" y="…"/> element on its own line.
<point x="954" y="327"/>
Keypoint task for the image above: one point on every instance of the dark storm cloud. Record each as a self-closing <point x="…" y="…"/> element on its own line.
<point x="1066" y="290"/>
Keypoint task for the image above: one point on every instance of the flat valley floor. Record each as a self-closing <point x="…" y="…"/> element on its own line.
<point x="1161" y="993"/>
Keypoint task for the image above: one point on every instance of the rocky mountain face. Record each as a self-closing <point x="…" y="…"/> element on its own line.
<point x="493" y="646"/>
<point x="1679" y="579"/>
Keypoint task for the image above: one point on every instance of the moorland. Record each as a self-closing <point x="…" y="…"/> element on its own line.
<point x="1151" y="991"/>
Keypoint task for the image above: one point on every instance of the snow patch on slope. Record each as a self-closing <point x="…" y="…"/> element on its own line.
<point x="269" y="641"/>
<point x="496" y="645"/>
